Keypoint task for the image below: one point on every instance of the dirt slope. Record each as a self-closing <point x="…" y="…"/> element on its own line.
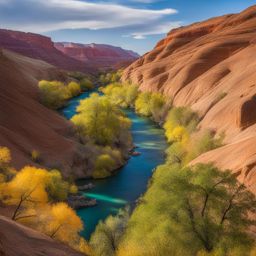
<point x="211" y="66"/>
<point x="18" y="240"/>
<point x="26" y="125"/>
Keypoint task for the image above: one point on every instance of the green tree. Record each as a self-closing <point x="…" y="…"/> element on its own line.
<point x="107" y="235"/>
<point x="197" y="210"/>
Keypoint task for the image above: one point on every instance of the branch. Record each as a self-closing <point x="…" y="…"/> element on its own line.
<point x="230" y="205"/>
<point x="26" y="216"/>
<point x="55" y="231"/>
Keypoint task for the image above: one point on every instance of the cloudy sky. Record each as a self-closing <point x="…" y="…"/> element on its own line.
<point x="131" y="24"/>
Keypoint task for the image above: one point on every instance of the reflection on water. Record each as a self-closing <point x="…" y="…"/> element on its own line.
<point x="131" y="181"/>
<point x="106" y="198"/>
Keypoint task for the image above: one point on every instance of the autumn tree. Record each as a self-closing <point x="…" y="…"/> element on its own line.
<point x="74" y="88"/>
<point x="101" y="121"/>
<point x="27" y="189"/>
<point x="62" y="223"/>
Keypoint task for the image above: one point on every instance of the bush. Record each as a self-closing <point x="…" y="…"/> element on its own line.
<point x="53" y="94"/>
<point x="111" y="77"/>
<point x="123" y="95"/>
<point x="74" y="89"/>
<point x="181" y="117"/>
<point x="150" y="105"/>
<point x="35" y="156"/>
<point x="86" y="84"/>
<point x="103" y="165"/>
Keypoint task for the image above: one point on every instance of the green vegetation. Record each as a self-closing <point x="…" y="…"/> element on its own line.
<point x="180" y="122"/>
<point x="148" y="104"/>
<point x="35" y="156"/>
<point x="107" y="236"/>
<point x="86" y="84"/>
<point x="54" y="94"/>
<point x="197" y="210"/>
<point x="111" y="77"/>
<point x="101" y="121"/>
<point x="123" y="95"/>
<point x="105" y="126"/>
<point x="103" y="166"/>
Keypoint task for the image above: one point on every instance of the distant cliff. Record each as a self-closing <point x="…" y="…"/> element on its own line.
<point x="40" y="47"/>
<point x="100" y="56"/>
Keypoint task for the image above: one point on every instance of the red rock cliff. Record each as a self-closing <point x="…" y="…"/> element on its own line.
<point x="98" y="55"/>
<point x="40" y="47"/>
<point x="211" y="67"/>
<point x="26" y="125"/>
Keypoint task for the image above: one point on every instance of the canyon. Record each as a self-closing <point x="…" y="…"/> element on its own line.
<point x="27" y="125"/>
<point x="67" y="56"/>
<point x="210" y="67"/>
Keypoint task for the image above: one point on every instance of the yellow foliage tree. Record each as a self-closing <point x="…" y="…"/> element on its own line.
<point x="63" y="223"/>
<point x="178" y="134"/>
<point x="27" y="189"/>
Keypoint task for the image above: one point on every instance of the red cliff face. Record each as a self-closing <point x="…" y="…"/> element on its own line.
<point x="98" y="55"/>
<point x="40" y="47"/>
<point x="211" y="67"/>
<point x="26" y="125"/>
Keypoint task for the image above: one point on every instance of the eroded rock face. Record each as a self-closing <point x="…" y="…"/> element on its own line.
<point x="98" y="55"/>
<point x="211" y="67"/>
<point x="26" y="125"/>
<point x="40" y="47"/>
<point x="16" y="239"/>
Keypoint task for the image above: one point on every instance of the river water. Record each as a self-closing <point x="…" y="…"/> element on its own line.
<point x="131" y="181"/>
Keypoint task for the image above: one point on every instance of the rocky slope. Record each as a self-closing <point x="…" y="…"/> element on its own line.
<point x="211" y="67"/>
<point x="98" y="55"/>
<point x="26" y="125"/>
<point x="40" y="47"/>
<point x="16" y="239"/>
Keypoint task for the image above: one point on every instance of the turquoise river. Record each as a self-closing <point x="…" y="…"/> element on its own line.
<point x="131" y="181"/>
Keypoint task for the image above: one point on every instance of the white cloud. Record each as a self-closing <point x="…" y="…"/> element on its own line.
<point x="43" y="16"/>
<point x="157" y="29"/>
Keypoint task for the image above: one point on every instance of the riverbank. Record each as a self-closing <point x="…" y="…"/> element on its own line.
<point x="130" y="182"/>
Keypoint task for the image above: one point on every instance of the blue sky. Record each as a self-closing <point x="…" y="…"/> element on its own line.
<point x="131" y="24"/>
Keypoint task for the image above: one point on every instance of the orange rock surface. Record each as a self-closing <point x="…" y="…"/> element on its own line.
<point x="211" y="67"/>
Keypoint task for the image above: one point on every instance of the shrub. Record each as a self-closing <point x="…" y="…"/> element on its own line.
<point x="111" y="77"/>
<point x="74" y="89"/>
<point x="181" y="117"/>
<point x="73" y="189"/>
<point x="86" y="84"/>
<point x="35" y="156"/>
<point x="53" y="94"/>
<point x="142" y="104"/>
<point x="103" y="165"/>
<point x="123" y="95"/>
<point x="150" y="105"/>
